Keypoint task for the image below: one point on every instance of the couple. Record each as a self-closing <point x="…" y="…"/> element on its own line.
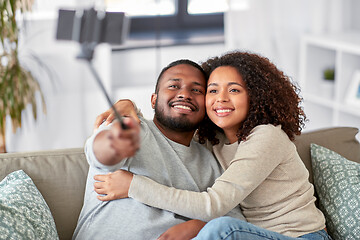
<point x="253" y="113"/>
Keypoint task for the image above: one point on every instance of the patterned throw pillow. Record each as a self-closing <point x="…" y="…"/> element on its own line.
<point x="337" y="182"/>
<point x="24" y="213"/>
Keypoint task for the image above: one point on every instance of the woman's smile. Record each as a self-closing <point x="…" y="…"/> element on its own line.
<point x="223" y="112"/>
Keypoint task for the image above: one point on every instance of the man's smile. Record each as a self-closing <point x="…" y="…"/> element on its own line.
<point x="182" y="105"/>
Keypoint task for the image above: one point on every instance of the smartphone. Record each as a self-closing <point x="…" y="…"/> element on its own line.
<point x="92" y="26"/>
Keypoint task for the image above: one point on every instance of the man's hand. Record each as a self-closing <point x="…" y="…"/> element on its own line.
<point x="112" y="146"/>
<point x="113" y="185"/>
<point x="124" y="107"/>
<point x="183" y="231"/>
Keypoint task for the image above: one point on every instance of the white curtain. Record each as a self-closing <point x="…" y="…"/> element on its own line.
<point x="274" y="28"/>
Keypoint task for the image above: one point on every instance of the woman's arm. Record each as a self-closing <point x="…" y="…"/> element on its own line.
<point x="221" y="198"/>
<point x="114" y="185"/>
<point x="254" y="160"/>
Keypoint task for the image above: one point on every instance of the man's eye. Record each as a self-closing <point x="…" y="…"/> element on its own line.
<point x="212" y="91"/>
<point x="197" y="90"/>
<point x="173" y="86"/>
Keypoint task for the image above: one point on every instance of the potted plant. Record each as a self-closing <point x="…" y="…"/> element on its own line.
<point x="329" y="74"/>
<point x="18" y="86"/>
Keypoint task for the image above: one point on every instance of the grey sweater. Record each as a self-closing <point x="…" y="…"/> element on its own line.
<point x="192" y="168"/>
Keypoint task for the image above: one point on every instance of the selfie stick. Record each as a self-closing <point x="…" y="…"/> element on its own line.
<point x="90" y="27"/>
<point x="87" y="51"/>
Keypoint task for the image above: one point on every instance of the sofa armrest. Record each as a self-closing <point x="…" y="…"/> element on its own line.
<point x="60" y="176"/>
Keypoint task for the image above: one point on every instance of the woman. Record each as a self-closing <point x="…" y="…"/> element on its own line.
<point x="253" y="115"/>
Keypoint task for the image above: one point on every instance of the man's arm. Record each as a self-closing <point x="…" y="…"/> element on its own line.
<point x="115" y="144"/>
<point x="183" y="231"/>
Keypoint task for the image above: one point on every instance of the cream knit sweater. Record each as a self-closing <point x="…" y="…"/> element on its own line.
<point x="264" y="174"/>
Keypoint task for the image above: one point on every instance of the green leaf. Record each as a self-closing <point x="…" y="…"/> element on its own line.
<point x="17" y="85"/>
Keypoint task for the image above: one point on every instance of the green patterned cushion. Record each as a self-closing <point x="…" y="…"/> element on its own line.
<point x="337" y="182"/>
<point x="24" y="213"/>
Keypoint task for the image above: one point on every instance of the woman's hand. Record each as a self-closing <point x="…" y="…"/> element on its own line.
<point x="114" y="185"/>
<point x="124" y="107"/>
<point x="183" y="231"/>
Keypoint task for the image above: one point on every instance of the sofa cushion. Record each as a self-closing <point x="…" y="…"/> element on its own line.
<point x="339" y="139"/>
<point x="60" y="176"/>
<point x="337" y="181"/>
<point x="24" y="213"/>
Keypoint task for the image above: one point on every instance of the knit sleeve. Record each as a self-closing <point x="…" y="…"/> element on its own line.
<point x="217" y="201"/>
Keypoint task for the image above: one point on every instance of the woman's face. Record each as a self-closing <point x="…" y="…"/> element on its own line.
<point x="227" y="100"/>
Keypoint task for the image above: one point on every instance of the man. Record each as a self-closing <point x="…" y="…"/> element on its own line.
<point x="167" y="155"/>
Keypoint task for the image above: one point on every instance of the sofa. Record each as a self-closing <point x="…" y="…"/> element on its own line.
<point x="60" y="175"/>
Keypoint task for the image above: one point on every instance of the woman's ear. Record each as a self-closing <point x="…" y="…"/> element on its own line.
<point x="153" y="100"/>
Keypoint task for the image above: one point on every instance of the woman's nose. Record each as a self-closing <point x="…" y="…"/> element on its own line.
<point x="222" y="97"/>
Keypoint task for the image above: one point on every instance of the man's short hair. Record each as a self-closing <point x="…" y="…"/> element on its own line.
<point x="175" y="63"/>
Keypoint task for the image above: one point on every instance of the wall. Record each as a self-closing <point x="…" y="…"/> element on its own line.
<point x="73" y="98"/>
<point x="73" y="101"/>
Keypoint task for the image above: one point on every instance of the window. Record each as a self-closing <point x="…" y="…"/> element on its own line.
<point x="206" y="6"/>
<point x="148" y="7"/>
<point x="171" y="15"/>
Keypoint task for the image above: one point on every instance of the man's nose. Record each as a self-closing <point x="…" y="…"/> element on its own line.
<point x="184" y="93"/>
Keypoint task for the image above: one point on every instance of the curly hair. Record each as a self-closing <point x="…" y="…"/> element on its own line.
<point x="273" y="98"/>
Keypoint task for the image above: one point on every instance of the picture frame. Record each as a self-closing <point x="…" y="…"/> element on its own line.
<point x="353" y="93"/>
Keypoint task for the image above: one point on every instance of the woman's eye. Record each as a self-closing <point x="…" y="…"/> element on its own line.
<point x="234" y="90"/>
<point x="212" y="91"/>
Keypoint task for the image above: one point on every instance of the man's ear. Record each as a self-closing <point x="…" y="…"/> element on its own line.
<point x="153" y="100"/>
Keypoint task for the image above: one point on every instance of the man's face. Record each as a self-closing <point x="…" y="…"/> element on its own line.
<point x="180" y="101"/>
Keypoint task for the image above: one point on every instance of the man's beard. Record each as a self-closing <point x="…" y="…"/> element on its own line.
<point x="174" y="123"/>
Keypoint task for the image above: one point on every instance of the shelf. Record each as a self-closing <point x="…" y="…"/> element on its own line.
<point x="350" y="109"/>
<point x="346" y="108"/>
<point x="347" y="41"/>
<point x="319" y="100"/>
<point x="326" y="103"/>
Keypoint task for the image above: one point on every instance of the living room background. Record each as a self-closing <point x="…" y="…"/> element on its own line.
<point x="274" y="28"/>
